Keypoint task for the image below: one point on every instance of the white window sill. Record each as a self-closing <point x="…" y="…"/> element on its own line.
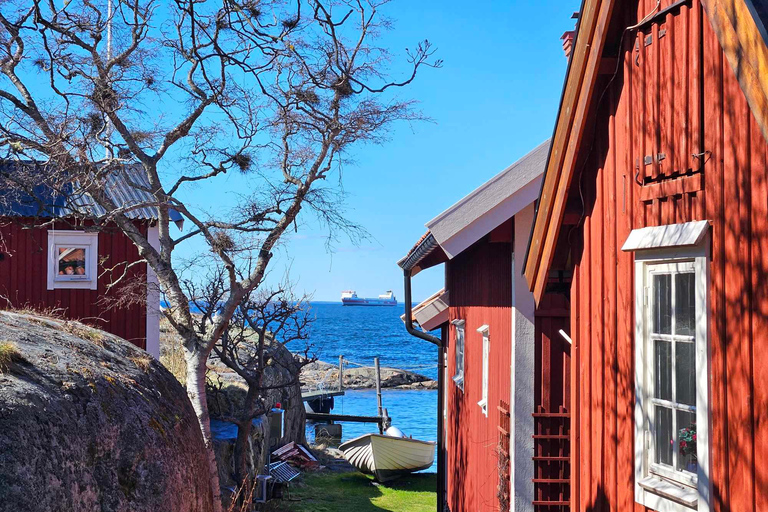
<point x="665" y="496"/>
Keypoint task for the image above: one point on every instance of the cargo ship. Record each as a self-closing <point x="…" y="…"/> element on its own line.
<point x="350" y="298"/>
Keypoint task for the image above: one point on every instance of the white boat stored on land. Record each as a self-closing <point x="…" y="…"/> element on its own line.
<point x="387" y="457"/>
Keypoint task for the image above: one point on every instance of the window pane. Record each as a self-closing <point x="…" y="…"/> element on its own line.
<point x="662" y="304"/>
<point x="685" y="372"/>
<point x="71" y="261"/>
<point x="685" y="304"/>
<point x="459" y="351"/>
<point x="686" y="440"/>
<point x="663" y="369"/>
<point x="664" y="441"/>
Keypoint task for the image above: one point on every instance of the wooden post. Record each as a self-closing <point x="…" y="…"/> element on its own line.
<point x="378" y="392"/>
<point x="341" y="373"/>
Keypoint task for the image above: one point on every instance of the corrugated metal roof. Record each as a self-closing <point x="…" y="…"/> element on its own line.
<point x="126" y="186"/>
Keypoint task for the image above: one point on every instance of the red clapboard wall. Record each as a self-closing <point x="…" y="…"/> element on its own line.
<point x="480" y="284"/>
<point x="23" y="278"/>
<point x="673" y="141"/>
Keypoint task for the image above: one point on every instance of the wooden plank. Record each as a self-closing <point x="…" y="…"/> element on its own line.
<point x="673" y="187"/>
<point x="714" y="176"/>
<point x="736" y="262"/>
<point x="611" y="247"/>
<point x="745" y="50"/>
<point x="585" y="369"/>
<point x="578" y="66"/>
<point x="582" y="112"/>
<point x="624" y="297"/>
<point x="759" y="221"/>
<point x="597" y="345"/>
<point x="319" y="416"/>
<point x="575" y="426"/>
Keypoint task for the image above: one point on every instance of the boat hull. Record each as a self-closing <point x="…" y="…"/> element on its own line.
<point x="387" y="457"/>
<point x="368" y="302"/>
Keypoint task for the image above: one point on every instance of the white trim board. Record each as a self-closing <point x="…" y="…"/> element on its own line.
<point x="153" y="300"/>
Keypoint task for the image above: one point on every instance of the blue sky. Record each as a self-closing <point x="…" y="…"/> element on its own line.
<point x="495" y="99"/>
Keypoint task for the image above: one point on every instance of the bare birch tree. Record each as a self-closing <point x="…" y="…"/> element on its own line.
<point x="190" y="90"/>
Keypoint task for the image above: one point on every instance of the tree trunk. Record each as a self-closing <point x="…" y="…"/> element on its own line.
<point x="196" y="391"/>
<point x="242" y="452"/>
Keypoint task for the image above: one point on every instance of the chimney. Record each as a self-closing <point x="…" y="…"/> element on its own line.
<point x="568" y="38"/>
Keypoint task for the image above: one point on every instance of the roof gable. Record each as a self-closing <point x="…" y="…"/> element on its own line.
<point x="740" y="28"/>
<point x="479" y="212"/>
<point x="491" y="204"/>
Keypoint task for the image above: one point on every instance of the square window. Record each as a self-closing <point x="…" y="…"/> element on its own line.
<point x="72" y="260"/>
<point x="72" y="263"/>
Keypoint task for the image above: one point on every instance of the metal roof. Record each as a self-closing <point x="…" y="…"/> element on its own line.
<point x="125" y="186"/>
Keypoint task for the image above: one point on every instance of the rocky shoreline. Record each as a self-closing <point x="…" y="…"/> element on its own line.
<point x="320" y="374"/>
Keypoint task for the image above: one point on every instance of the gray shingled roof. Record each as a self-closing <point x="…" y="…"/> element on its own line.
<point x="478" y="203"/>
<point x="504" y="184"/>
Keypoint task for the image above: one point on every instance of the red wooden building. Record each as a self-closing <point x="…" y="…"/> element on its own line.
<point x="505" y="410"/>
<point x="67" y="266"/>
<point x="654" y="214"/>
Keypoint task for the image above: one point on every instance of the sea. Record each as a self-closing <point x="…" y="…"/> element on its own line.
<point x="361" y="333"/>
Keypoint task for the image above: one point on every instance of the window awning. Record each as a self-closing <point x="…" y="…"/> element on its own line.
<point x="672" y="235"/>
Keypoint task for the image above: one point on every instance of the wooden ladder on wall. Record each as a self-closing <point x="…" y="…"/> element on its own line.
<point x="551" y="460"/>
<point x="504" y="454"/>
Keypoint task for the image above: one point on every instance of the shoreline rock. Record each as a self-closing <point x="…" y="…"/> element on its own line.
<point x="320" y="373"/>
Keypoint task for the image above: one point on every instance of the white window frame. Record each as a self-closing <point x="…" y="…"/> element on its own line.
<point x="459" y="352"/>
<point x="75" y="240"/>
<point x="483" y="403"/>
<point x="652" y="488"/>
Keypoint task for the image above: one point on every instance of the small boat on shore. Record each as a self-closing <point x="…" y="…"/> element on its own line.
<point x="388" y="456"/>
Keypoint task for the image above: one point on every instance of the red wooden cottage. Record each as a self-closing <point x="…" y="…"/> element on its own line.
<point x="654" y="212"/>
<point x="65" y="264"/>
<point x="504" y="383"/>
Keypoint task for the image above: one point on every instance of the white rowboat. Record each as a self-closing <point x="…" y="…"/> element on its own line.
<point x="388" y="457"/>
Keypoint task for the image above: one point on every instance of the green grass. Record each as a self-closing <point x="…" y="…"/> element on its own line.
<point x="9" y="354"/>
<point x="355" y="492"/>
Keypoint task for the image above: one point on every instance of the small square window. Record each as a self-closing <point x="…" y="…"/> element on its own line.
<point x="72" y="263"/>
<point x="72" y="259"/>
